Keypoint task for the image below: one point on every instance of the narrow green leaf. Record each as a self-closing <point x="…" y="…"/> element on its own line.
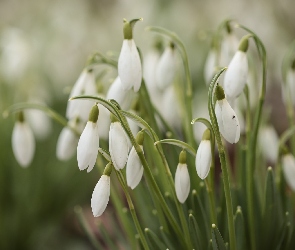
<point x="217" y="241"/>
<point x="240" y="229"/>
<point x="180" y="144"/>
<point x="168" y="240"/>
<point x="195" y="232"/>
<point x="153" y="240"/>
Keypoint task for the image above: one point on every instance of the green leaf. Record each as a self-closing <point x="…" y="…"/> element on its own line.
<point x="180" y="144"/>
<point x="217" y="241"/>
<point x="240" y="229"/>
<point x="105" y="154"/>
<point x="153" y="240"/>
<point x="195" y="232"/>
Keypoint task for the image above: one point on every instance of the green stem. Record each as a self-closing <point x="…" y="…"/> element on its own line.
<point x="224" y="166"/>
<point x="132" y="210"/>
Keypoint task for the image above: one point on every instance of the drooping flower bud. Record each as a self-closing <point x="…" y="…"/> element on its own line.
<point x="23" y="142"/>
<point x="182" y="179"/>
<point x="204" y="156"/>
<point x="88" y="144"/>
<point x="226" y="117"/>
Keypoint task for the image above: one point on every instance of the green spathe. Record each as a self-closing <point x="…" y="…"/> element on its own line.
<point x="93" y="115"/>
<point x="244" y="44"/>
<point x="108" y="169"/>
<point x="182" y="157"/>
<point x="219" y="93"/>
<point x="206" y="135"/>
<point x="128" y="27"/>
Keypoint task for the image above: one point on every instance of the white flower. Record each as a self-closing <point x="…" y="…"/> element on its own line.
<point x="101" y="195"/>
<point x="203" y="159"/>
<point x="118" y="145"/>
<point x="229" y="46"/>
<point x="23" y="143"/>
<point x="235" y="77"/>
<point x="269" y="141"/>
<point x="129" y="66"/>
<point x="66" y="143"/>
<point x="89" y="142"/>
<point x="149" y="71"/>
<point x="85" y="85"/>
<point x="104" y="122"/>
<point x="210" y="65"/>
<point x="290" y="87"/>
<point x="227" y="121"/>
<point x="39" y="122"/>
<point x="166" y="67"/>
<point x="288" y="162"/>
<point x="134" y="169"/>
<point x="182" y="182"/>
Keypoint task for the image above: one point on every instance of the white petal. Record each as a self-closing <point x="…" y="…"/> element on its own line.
<point x="229" y="46"/>
<point x="210" y="66"/>
<point x="103" y="122"/>
<point x="66" y="144"/>
<point x="118" y="145"/>
<point x="149" y="71"/>
<point x="269" y="141"/>
<point x="23" y="143"/>
<point x="203" y="159"/>
<point x="134" y="169"/>
<point x="100" y="196"/>
<point x="290" y="86"/>
<point x="288" y="161"/>
<point x="88" y="147"/>
<point x="129" y="66"/>
<point x="165" y="71"/>
<point x="182" y="182"/>
<point x="236" y="75"/>
<point x="227" y="121"/>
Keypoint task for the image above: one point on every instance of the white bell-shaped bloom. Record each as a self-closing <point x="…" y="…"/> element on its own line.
<point x="88" y="144"/>
<point x="119" y="94"/>
<point x="236" y="75"/>
<point x="118" y="145"/>
<point x="85" y="85"/>
<point x="23" y="143"/>
<point x="229" y="46"/>
<point x="166" y="67"/>
<point x="269" y="141"/>
<point x="101" y="195"/>
<point x="290" y="87"/>
<point x="103" y="122"/>
<point x="210" y="65"/>
<point x="227" y="121"/>
<point x="149" y="71"/>
<point x="67" y="143"/>
<point x="182" y="182"/>
<point x="134" y="169"/>
<point x="203" y="159"/>
<point x="129" y="66"/>
<point x="288" y="162"/>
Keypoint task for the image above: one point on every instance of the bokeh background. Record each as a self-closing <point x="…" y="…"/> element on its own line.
<point x="44" y="46"/>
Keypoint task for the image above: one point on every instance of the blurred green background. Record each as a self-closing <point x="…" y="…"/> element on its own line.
<point x="43" y="48"/>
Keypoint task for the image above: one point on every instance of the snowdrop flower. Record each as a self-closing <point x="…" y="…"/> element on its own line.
<point x="236" y="75"/>
<point x="204" y="156"/>
<point x="226" y="117"/>
<point x="166" y="67"/>
<point x="288" y="162"/>
<point x="67" y="141"/>
<point x="210" y="65"/>
<point x="182" y="180"/>
<point x="85" y="85"/>
<point x="118" y="144"/>
<point x="104" y="122"/>
<point x="89" y="142"/>
<point x="229" y="46"/>
<point x="134" y="168"/>
<point x="290" y="85"/>
<point x="23" y="143"/>
<point x="129" y="64"/>
<point x="101" y="193"/>
<point x="268" y="140"/>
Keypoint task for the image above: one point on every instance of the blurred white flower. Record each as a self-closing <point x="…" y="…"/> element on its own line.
<point x="210" y="65"/>
<point x="103" y="122"/>
<point x="88" y="144"/>
<point x="166" y="67"/>
<point x="23" y="142"/>
<point x="118" y="145"/>
<point x="288" y="162"/>
<point x="289" y="88"/>
<point x="269" y="142"/>
<point x="129" y="66"/>
<point x="229" y="46"/>
<point x="134" y="169"/>
<point x="182" y="179"/>
<point x="149" y="71"/>
<point x="203" y="158"/>
<point x="236" y="76"/>
<point x="101" y="195"/>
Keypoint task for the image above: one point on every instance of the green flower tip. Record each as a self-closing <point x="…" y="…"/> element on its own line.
<point x="93" y="115"/>
<point x="182" y="157"/>
<point x="244" y="44"/>
<point x="219" y="93"/>
<point x="140" y="137"/>
<point x="228" y="27"/>
<point x="206" y="135"/>
<point x="113" y="118"/>
<point x="293" y="64"/>
<point x="128" y="27"/>
<point x="172" y="45"/>
<point x="20" y="117"/>
<point x="108" y="169"/>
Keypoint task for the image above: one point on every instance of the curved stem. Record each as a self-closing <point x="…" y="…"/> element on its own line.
<point x="224" y="166"/>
